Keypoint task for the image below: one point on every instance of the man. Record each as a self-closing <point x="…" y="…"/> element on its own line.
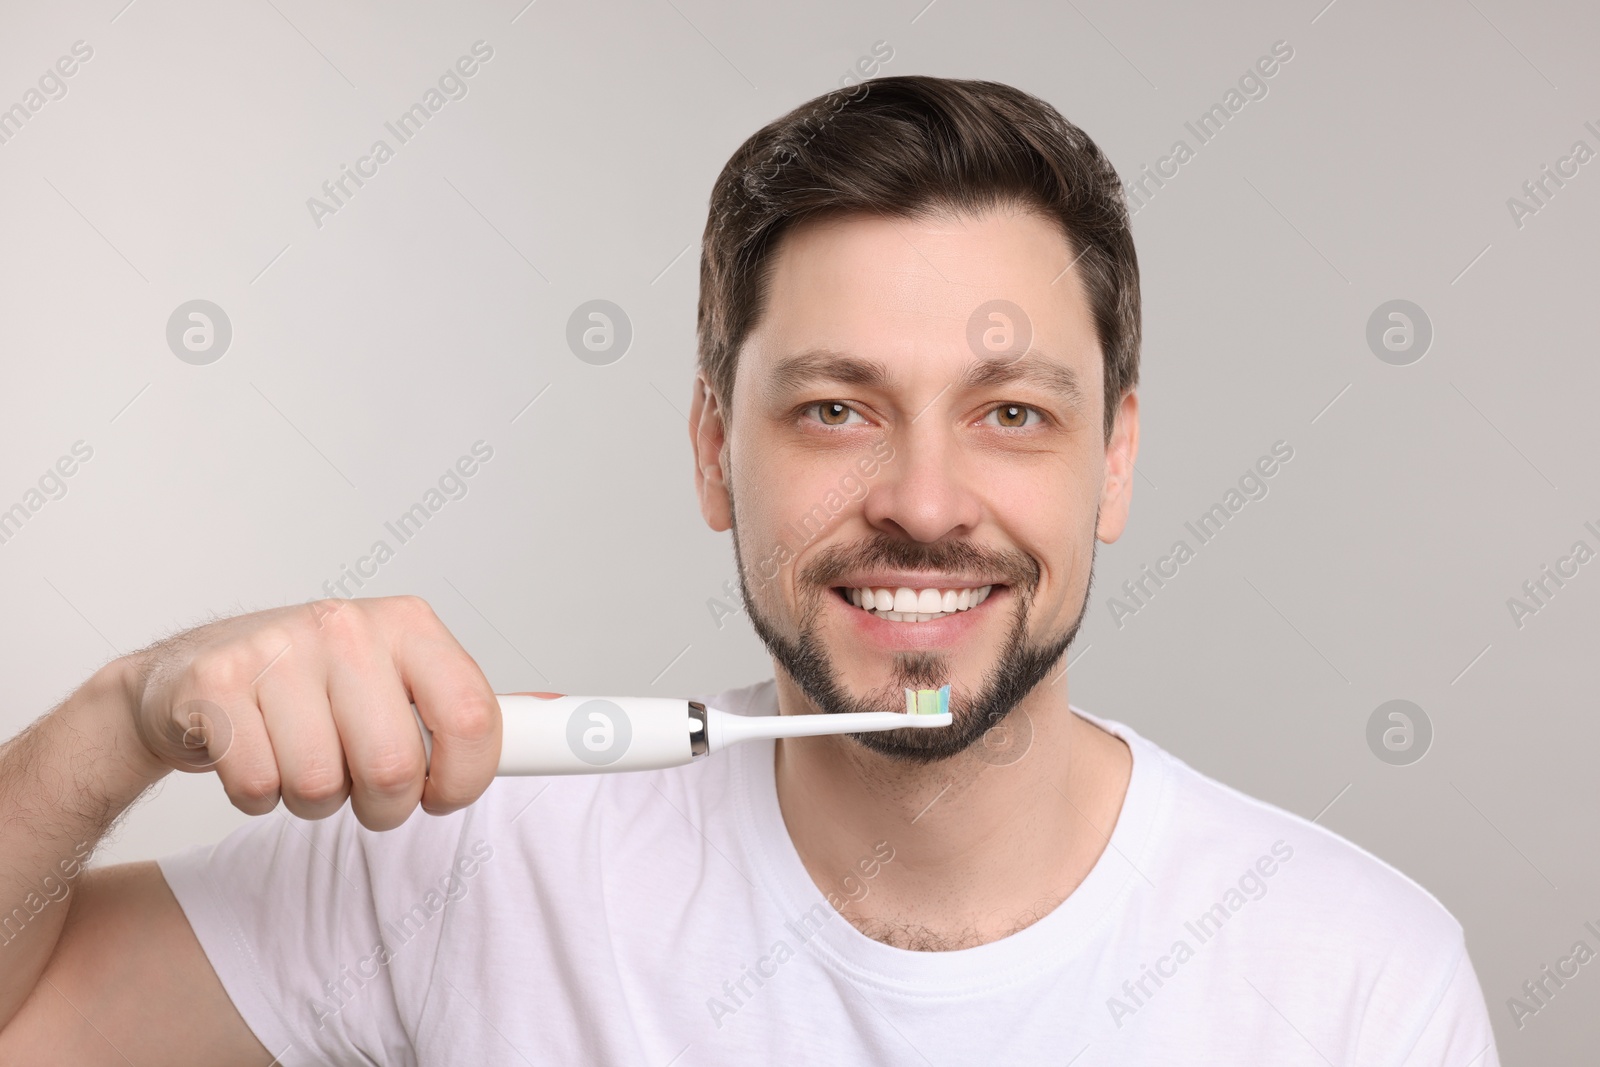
<point x="919" y="332"/>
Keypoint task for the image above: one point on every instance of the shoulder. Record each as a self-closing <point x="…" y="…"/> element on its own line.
<point x="1325" y="931"/>
<point x="1323" y="892"/>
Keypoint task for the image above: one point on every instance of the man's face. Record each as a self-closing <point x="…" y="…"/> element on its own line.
<point x="881" y="441"/>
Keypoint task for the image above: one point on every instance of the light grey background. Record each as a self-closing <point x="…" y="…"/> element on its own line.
<point x="431" y="310"/>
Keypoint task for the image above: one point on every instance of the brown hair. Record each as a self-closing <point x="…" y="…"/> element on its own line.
<point x="906" y="146"/>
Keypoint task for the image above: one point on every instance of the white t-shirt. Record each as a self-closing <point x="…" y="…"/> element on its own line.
<point x="664" y="917"/>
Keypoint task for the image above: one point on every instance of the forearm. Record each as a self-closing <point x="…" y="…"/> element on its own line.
<point x="63" y="782"/>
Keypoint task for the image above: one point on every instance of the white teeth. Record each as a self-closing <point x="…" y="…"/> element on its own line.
<point x="916" y="605"/>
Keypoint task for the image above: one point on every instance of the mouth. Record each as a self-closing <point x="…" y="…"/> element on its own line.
<point x="915" y="604"/>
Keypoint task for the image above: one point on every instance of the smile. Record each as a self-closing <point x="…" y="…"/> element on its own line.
<point x="915" y="605"/>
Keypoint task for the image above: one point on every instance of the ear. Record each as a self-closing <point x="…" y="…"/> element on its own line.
<point x="708" y="438"/>
<point x="1116" y="493"/>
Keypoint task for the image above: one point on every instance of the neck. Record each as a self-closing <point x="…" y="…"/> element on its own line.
<point x="962" y="851"/>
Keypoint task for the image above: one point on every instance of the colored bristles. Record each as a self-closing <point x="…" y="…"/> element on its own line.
<point x="928" y="701"/>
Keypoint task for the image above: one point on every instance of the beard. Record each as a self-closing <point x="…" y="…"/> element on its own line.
<point x="1022" y="664"/>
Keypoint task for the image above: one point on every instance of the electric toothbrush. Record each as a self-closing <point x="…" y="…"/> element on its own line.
<point x="595" y="735"/>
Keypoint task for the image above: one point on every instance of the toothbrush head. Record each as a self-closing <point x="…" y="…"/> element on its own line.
<point x="928" y="701"/>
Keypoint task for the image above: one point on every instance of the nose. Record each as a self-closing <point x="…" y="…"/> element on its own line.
<point x="925" y="492"/>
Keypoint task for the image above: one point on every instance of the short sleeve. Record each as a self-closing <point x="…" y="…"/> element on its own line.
<point x="284" y="910"/>
<point x="1458" y="1033"/>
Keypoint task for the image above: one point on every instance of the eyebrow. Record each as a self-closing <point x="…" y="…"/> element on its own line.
<point x="1045" y="374"/>
<point x="824" y="364"/>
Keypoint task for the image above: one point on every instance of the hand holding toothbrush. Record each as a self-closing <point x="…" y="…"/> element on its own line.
<point x="314" y="703"/>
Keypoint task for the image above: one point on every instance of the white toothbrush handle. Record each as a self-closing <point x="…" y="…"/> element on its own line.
<point x="594" y="735"/>
<point x="589" y="735"/>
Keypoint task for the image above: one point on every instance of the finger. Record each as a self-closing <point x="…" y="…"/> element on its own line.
<point x="459" y="708"/>
<point x="312" y="776"/>
<point x="382" y="746"/>
<point x="218" y="726"/>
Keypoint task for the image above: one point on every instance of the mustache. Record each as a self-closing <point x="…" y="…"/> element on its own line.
<point x="1019" y="570"/>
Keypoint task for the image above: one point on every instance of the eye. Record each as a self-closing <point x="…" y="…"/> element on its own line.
<point x="1014" y="416"/>
<point x="834" y="413"/>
